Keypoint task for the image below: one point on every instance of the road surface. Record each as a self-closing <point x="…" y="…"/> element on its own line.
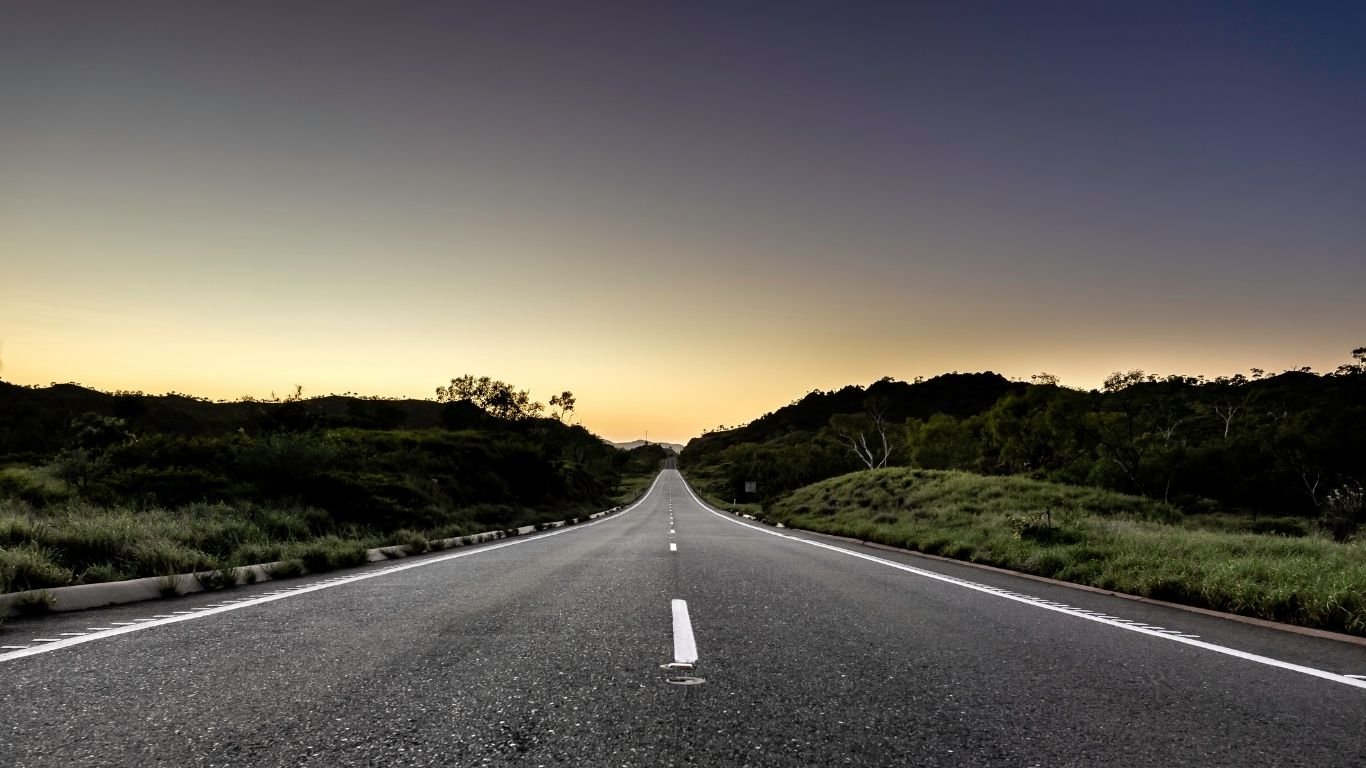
<point x="551" y="650"/>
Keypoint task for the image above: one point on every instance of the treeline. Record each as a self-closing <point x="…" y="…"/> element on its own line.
<point x="1292" y="443"/>
<point x="483" y="456"/>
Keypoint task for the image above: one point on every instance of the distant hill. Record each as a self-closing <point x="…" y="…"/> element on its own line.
<point x="35" y="421"/>
<point x="956" y="394"/>
<point x="675" y="447"/>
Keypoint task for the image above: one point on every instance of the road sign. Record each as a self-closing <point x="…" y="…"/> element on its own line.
<point x="751" y="486"/>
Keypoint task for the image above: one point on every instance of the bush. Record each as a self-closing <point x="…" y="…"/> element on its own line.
<point x="157" y="558"/>
<point x="287" y="569"/>
<point x="330" y="553"/>
<point x="17" y="529"/>
<point x="171" y="486"/>
<point x="1344" y="511"/>
<point x="31" y="567"/>
<point x="412" y="542"/>
<point x="257" y="553"/>
<point x="101" y="573"/>
<point x="36" y="486"/>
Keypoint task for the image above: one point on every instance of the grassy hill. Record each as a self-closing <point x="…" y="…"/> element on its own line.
<point x="1091" y="536"/>
<point x="99" y="486"/>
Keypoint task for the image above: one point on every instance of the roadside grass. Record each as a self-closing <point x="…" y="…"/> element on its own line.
<point x="1093" y="537"/>
<point x="75" y="542"/>
<point x="710" y="483"/>
<point x="632" y="487"/>
<point x="34" y="484"/>
<point x="1242" y="522"/>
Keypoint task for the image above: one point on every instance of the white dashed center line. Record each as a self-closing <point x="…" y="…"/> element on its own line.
<point x="685" y="648"/>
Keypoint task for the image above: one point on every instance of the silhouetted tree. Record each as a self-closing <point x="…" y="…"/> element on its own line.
<point x="498" y="398"/>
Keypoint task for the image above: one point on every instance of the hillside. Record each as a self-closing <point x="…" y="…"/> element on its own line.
<point x="1290" y="443"/>
<point x="957" y="394"/>
<point x="1090" y="536"/>
<point x="36" y="421"/>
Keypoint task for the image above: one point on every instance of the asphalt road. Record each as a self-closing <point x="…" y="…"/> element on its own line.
<point x="547" y="650"/>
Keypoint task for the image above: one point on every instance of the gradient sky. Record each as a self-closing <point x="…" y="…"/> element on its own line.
<point x="687" y="213"/>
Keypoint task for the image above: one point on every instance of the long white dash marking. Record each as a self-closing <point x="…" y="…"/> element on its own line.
<point x="164" y="619"/>
<point x="673" y="547"/>
<point x="1355" y="682"/>
<point x="685" y="648"/>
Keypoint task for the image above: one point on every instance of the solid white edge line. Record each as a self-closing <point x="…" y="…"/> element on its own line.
<point x="685" y="648"/>
<point x="1119" y="624"/>
<point x="162" y="620"/>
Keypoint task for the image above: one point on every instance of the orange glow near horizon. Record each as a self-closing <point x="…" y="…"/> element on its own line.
<point x="673" y="389"/>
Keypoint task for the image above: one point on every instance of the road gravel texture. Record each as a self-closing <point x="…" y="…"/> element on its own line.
<point x="547" y="650"/>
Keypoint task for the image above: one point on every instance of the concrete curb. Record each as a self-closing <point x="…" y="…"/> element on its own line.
<point x="84" y="596"/>
<point x="1295" y="629"/>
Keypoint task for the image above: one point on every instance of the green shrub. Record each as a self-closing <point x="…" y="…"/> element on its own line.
<point x="160" y="557"/>
<point x="287" y="569"/>
<point x="39" y="486"/>
<point x="17" y="528"/>
<point x="257" y="553"/>
<point x="31" y="567"/>
<point x="330" y="553"/>
<point x="101" y="573"/>
<point x="169" y="486"/>
<point x="1344" y="511"/>
<point x="412" y="542"/>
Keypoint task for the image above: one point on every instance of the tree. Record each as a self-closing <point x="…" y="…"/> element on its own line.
<point x="565" y="402"/>
<point x="498" y="398"/>
<point x="1358" y="366"/>
<point x="1231" y="397"/>
<point x="855" y="429"/>
<point x="944" y="442"/>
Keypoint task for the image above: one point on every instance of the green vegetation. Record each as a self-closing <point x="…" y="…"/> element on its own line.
<point x="1091" y="536"/>
<point x="1243" y="493"/>
<point x="1287" y="445"/>
<point x="98" y="487"/>
<point x="642" y="464"/>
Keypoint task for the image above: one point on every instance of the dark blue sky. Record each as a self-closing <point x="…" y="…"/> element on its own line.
<point x="820" y="193"/>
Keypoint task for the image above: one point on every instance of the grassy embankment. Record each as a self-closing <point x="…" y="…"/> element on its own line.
<point x="71" y="541"/>
<point x="633" y="487"/>
<point x="1087" y="536"/>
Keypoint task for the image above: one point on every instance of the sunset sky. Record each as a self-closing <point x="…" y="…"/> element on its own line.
<point x="687" y="213"/>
